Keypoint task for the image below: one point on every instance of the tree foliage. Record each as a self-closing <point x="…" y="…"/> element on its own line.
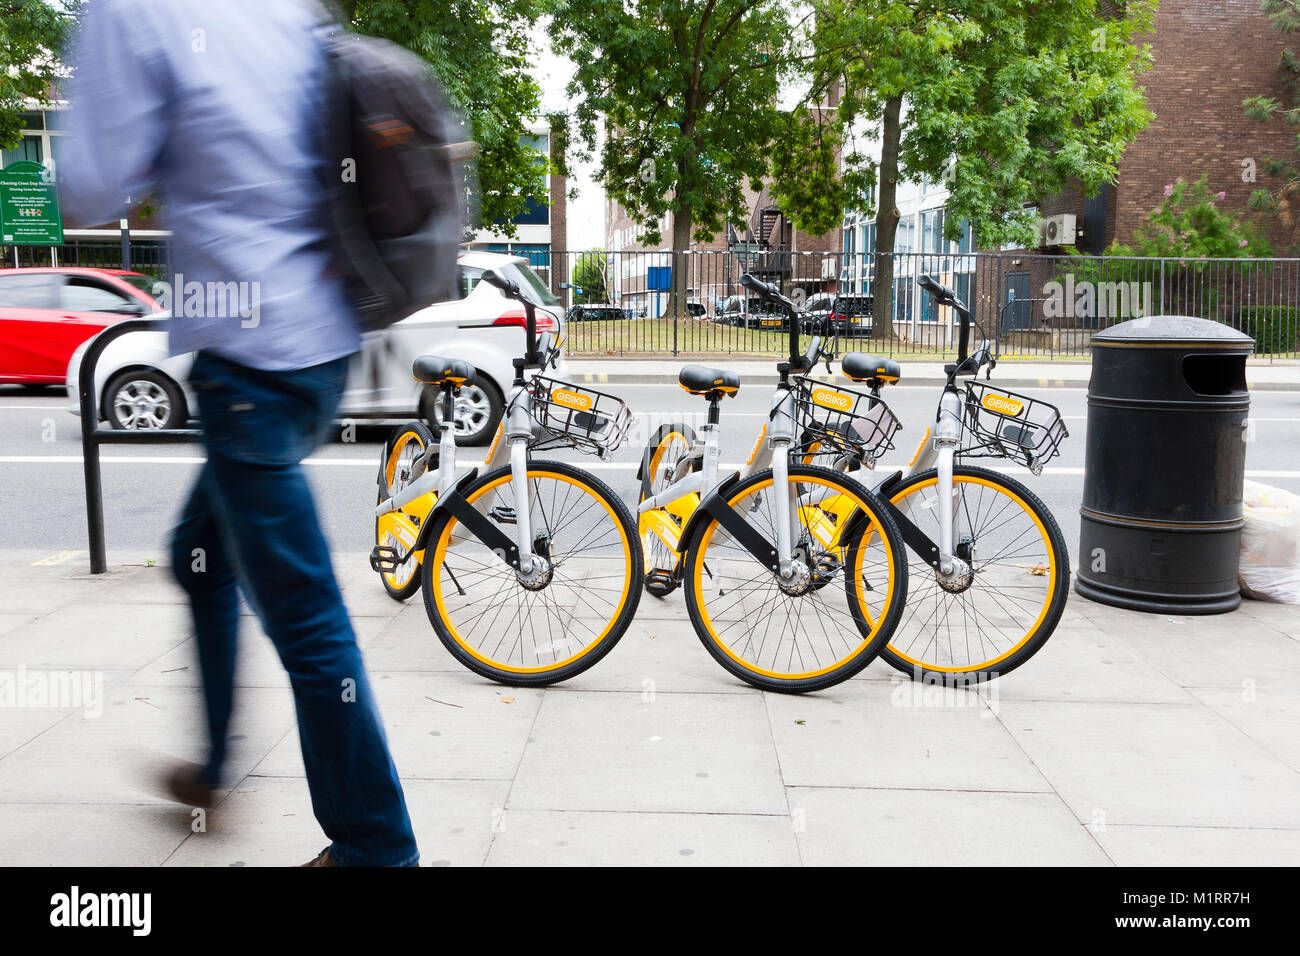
<point x="32" y="34"/>
<point x="685" y="94"/>
<point x="481" y="53"/>
<point x="1006" y="101"/>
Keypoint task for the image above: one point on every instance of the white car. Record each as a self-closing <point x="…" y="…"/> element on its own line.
<point x="140" y="386"/>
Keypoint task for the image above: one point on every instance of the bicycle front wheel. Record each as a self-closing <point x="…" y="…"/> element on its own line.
<point x="833" y="617"/>
<point x="993" y="619"/>
<point x="535" y="631"/>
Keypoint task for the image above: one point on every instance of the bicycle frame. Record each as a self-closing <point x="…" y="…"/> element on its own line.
<point x="410" y="509"/>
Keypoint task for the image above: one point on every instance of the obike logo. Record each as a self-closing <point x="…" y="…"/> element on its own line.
<point x="827" y="398"/>
<point x="496" y="440"/>
<point x="1003" y="404"/>
<point x="757" y="445"/>
<point x="403" y="534"/>
<point x="919" y="448"/>
<point x="562" y="396"/>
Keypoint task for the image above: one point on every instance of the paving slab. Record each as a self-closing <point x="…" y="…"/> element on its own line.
<point x="900" y="734"/>
<point x="92" y="634"/>
<point x="267" y="821"/>
<point x="1270" y="716"/>
<point x="671" y="752"/>
<point x="91" y="834"/>
<point x="1081" y="661"/>
<point x="584" y="838"/>
<point x="444" y="726"/>
<point x="115" y="758"/>
<point x="869" y="827"/>
<point x="1200" y="846"/>
<point x="1169" y="764"/>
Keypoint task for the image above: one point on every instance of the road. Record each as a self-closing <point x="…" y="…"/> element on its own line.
<point x="42" y="496"/>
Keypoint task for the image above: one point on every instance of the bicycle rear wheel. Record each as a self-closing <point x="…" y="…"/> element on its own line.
<point x="970" y="631"/>
<point x="804" y="635"/>
<point x="408" y="444"/>
<point x="530" y="633"/>
<point x="661" y="528"/>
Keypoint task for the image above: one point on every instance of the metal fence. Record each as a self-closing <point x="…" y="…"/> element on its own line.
<point x="1036" y="306"/>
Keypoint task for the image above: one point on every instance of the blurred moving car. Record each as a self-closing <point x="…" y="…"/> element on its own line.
<point x="45" y="313"/>
<point x="849" y="314"/>
<point x="141" y="386"/>
<point x="595" y="312"/>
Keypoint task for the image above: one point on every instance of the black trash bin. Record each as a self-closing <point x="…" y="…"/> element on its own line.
<point x="1166" y="457"/>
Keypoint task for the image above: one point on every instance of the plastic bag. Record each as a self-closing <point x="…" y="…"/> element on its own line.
<point x="1270" y="544"/>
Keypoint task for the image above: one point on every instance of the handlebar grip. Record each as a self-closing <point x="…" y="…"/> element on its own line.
<point x="494" y="278"/>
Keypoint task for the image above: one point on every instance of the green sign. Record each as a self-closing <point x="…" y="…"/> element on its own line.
<point x="29" y="206"/>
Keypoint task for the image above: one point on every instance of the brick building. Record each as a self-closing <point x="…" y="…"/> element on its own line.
<point x="1208" y="55"/>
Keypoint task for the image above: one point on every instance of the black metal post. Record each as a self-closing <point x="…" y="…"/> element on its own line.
<point x="92" y="436"/>
<point x="126" y="245"/>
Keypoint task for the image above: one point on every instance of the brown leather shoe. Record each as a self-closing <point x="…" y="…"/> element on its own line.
<point x="185" y="784"/>
<point x="323" y="858"/>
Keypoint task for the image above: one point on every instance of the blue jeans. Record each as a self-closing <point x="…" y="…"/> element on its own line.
<point x="251" y="525"/>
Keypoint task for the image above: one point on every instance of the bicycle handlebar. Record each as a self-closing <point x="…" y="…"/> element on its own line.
<point x="511" y="290"/>
<point x="946" y="296"/>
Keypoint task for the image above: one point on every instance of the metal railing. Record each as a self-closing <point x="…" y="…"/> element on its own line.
<point x="1037" y="306"/>
<point x="92" y="436"/>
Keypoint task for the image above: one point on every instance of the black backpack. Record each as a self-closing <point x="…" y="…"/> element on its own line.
<point x="397" y="196"/>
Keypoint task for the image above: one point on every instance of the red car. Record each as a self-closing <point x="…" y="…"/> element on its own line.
<point x="46" y="313"/>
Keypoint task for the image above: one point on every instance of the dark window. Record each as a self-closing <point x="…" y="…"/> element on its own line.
<point x="87" y="295"/>
<point x="27" y="291"/>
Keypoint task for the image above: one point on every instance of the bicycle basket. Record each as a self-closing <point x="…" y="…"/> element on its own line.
<point x="578" y="417"/>
<point x="1009" y="425"/>
<point x="839" y="422"/>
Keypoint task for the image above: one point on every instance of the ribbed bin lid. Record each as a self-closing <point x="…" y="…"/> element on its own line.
<point x="1159" y="330"/>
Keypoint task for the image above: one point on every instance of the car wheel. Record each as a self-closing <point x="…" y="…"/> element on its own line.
<point x="477" y="411"/>
<point x="143" y="400"/>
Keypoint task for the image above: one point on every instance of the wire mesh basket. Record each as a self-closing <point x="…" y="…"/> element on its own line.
<point x="838" y="422"/>
<point x="578" y="417"/>
<point x="1006" y="424"/>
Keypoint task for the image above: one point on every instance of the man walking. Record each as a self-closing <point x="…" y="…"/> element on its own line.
<point x="222" y="106"/>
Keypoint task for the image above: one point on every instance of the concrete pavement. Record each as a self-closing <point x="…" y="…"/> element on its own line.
<point x="1131" y="739"/>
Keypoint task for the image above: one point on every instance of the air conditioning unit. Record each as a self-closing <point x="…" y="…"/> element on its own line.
<point x="1057" y="230"/>
<point x="831" y="267"/>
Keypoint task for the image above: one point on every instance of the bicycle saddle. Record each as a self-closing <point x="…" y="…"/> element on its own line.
<point x="702" y="380"/>
<point x="436" y="370"/>
<point x="862" y="367"/>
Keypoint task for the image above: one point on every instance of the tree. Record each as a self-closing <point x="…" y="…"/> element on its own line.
<point x="1285" y="15"/>
<point x="32" y="33"/>
<point x="480" y="52"/>
<point x="685" y="94"/>
<point x="589" y="275"/>
<point x="1006" y="101"/>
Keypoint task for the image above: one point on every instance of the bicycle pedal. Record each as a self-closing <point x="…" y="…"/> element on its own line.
<point x="384" y="559"/>
<point x="503" y="514"/>
<point x="660" y="583"/>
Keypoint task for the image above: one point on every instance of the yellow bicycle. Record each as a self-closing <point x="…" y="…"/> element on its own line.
<point x="795" y="574"/>
<point x="531" y="569"/>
